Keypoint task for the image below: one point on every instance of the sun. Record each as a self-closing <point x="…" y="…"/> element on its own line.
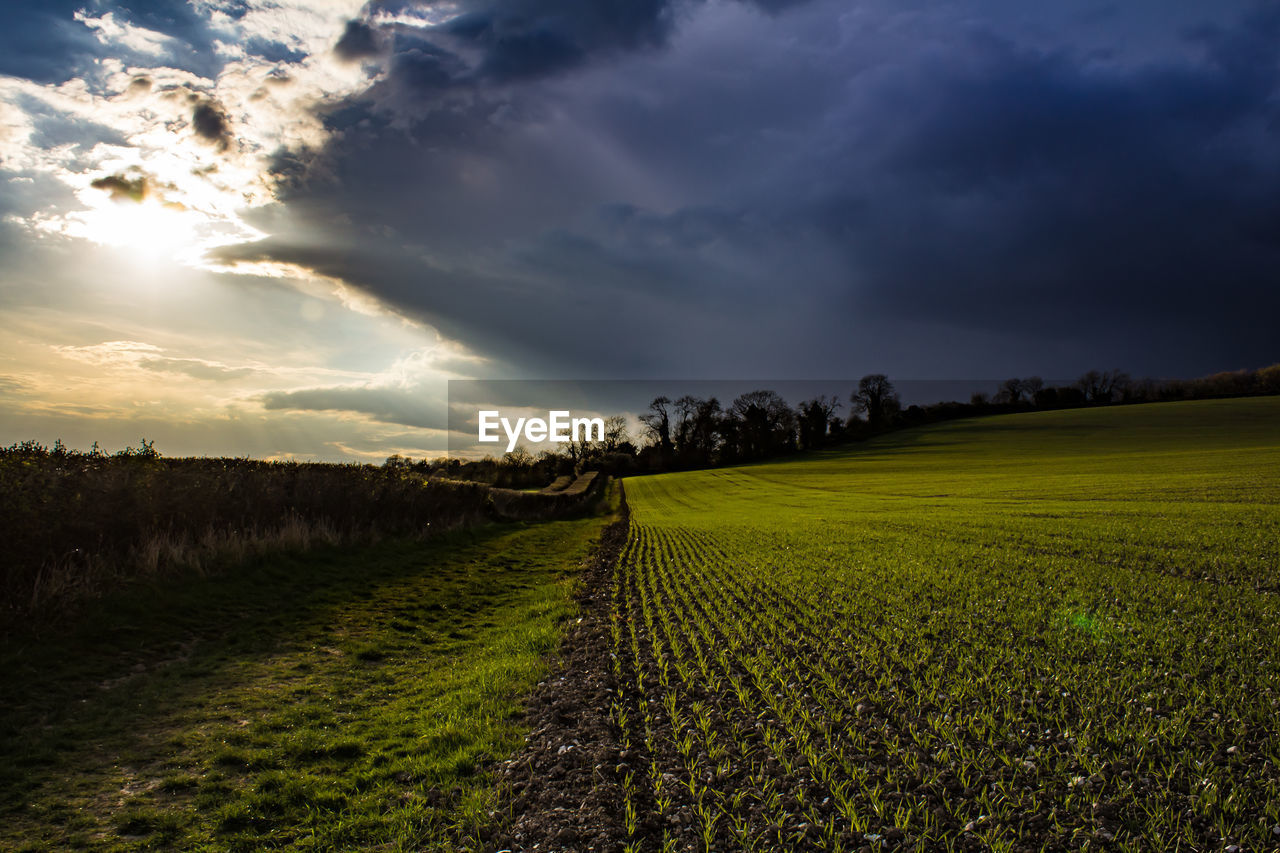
<point x="148" y="230"/>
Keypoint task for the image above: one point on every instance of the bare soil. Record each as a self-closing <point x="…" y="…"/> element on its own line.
<point x="562" y="792"/>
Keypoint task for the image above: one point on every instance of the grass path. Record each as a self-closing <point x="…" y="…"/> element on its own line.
<point x="340" y="699"/>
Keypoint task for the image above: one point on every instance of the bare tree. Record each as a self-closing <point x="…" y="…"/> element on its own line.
<point x="657" y="422"/>
<point x="1015" y="391"/>
<point x="877" y="397"/>
<point x="518" y="458"/>
<point x="707" y="428"/>
<point x="686" y="411"/>
<point x="1101" y="386"/>
<point x="615" y="433"/>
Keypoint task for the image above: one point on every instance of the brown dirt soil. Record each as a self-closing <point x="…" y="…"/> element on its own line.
<point x="562" y="793"/>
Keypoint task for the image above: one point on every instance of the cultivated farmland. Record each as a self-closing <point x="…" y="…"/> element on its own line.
<point x="1046" y="631"/>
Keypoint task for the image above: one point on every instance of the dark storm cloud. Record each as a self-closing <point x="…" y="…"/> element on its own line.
<point x="777" y="6"/>
<point x="1028" y="191"/>
<point x="514" y="42"/>
<point x="532" y="38"/>
<point x="490" y="44"/>
<point x="405" y="407"/>
<point x="559" y="300"/>
<point x="529" y="38"/>
<point x="419" y="67"/>
<point x="209" y="122"/>
<point x="358" y="41"/>
<point x="811" y="188"/>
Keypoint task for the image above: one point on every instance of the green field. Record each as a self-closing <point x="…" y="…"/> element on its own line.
<point x="1046" y="631"/>
<point x="341" y="699"/>
<point x="1055" y="630"/>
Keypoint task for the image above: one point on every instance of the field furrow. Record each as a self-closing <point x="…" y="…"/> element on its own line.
<point x="863" y="650"/>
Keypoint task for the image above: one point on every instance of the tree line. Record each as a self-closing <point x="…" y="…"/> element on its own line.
<point x="695" y="432"/>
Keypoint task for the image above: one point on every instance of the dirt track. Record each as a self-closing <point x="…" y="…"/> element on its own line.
<point x="562" y="791"/>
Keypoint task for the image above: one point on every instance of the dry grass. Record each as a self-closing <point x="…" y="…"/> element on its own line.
<point x="73" y="525"/>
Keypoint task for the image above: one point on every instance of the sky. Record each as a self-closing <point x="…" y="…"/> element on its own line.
<point x="276" y="229"/>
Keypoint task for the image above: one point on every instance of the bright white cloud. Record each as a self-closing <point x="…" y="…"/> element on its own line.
<point x="142" y="124"/>
<point x="111" y="31"/>
<point x="130" y="171"/>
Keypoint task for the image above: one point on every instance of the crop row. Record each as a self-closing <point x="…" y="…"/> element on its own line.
<point x="963" y="682"/>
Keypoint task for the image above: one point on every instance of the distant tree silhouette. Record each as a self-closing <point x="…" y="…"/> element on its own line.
<point x="1009" y="393"/>
<point x="1102" y="386"/>
<point x="518" y="458"/>
<point x="1268" y="380"/>
<point x="658" y="422"/>
<point x="876" y="397"/>
<point x="693" y="432"/>
<point x="1016" y="391"/>
<point x="707" y="427"/>
<point x="1058" y="397"/>
<point x="698" y="432"/>
<point x="686" y="411"/>
<point x="814" y="420"/>
<point x="766" y="423"/>
<point x="615" y="434"/>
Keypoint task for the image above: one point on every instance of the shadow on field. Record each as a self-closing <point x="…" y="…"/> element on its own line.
<point x="96" y="683"/>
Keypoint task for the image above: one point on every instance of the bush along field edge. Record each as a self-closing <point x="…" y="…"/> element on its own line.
<point x="74" y="525"/>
